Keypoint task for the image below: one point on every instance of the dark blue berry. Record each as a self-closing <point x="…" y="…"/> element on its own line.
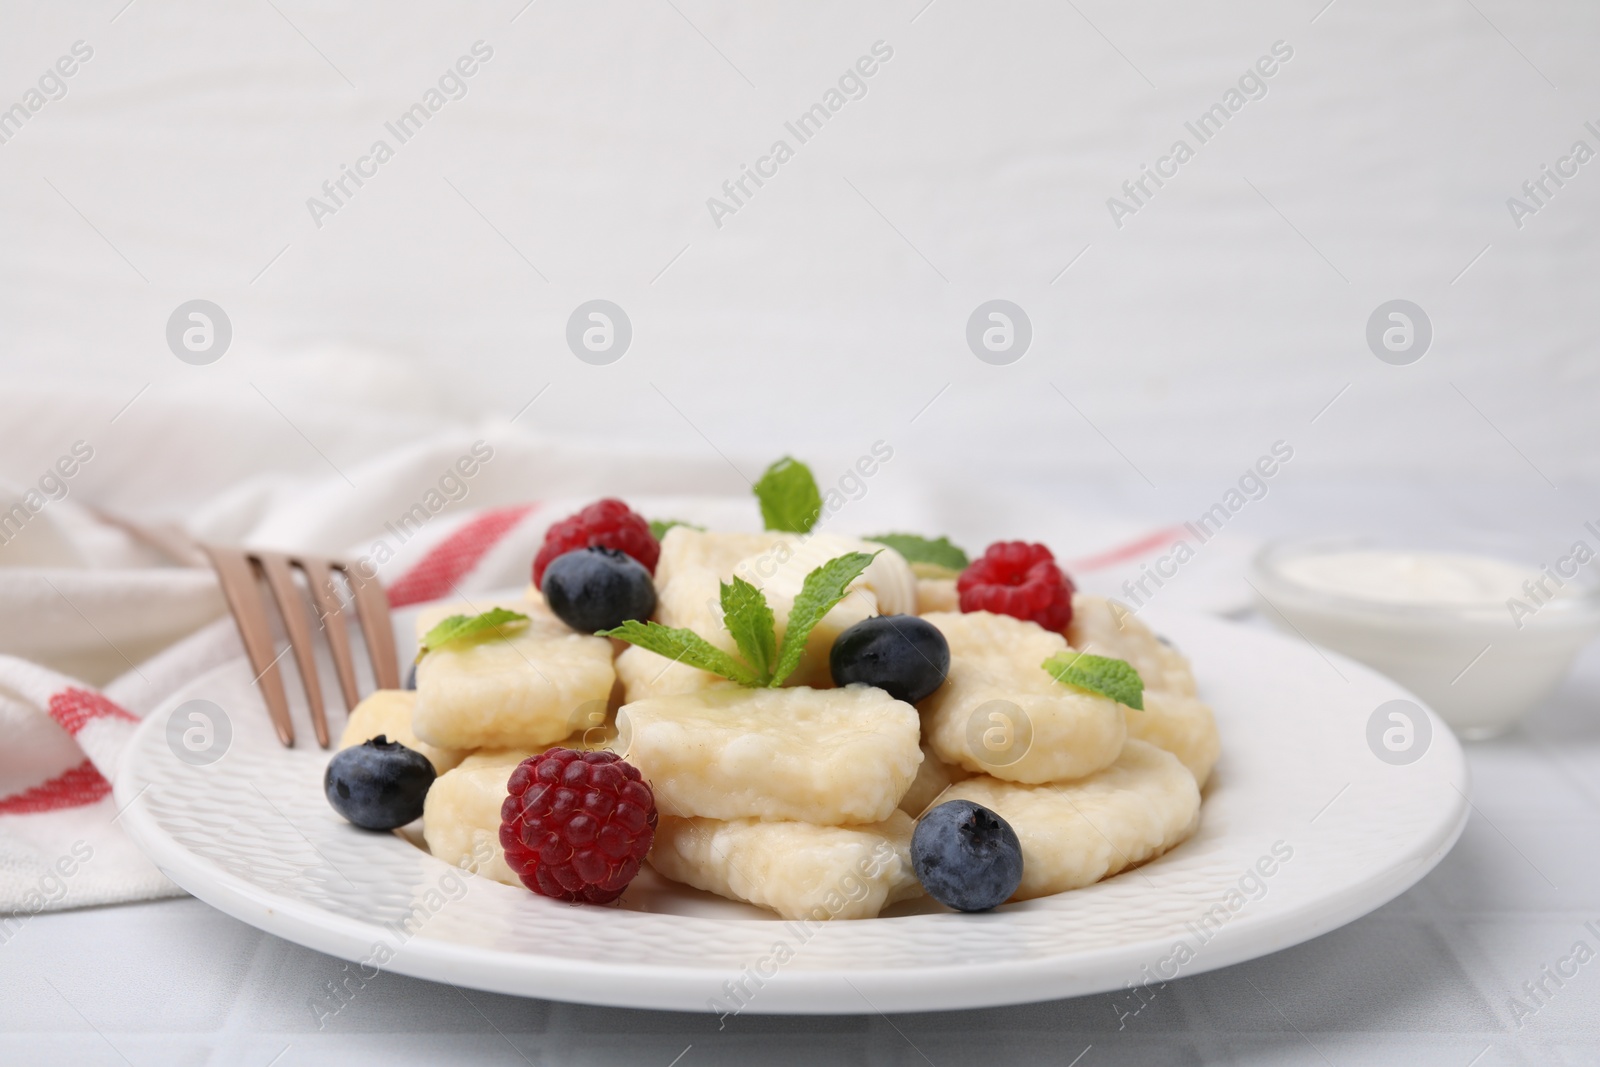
<point x="903" y="655"/>
<point x="966" y="857"/>
<point x="598" y="588"/>
<point x="379" y="785"/>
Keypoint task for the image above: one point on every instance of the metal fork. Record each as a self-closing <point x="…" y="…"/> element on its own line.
<point x="237" y="571"/>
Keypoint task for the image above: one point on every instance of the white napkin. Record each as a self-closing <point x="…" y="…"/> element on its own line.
<point x="88" y="606"/>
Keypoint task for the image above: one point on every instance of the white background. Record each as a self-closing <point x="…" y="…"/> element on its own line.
<point x="831" y="309"/>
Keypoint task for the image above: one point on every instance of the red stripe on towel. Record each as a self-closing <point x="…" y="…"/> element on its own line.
<point x="73" y="707"/>
<point x="70" y="789"/>
<point x="453" y="558"/>
<point x="1123" y="553"/>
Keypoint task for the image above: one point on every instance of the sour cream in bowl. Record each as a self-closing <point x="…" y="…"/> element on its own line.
<point x="1483" y="635"/>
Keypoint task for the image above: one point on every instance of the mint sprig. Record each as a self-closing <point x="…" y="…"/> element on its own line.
<point x="822" y="589"/>
<point x="1114" y="678"/>
<point x="659" y="527"/>
<point x="458" y="626"/>
<point x="938" y="552"/>
<point x="790" y="501"/>
<point x="683" y="646"/>
<point x="749" y="618"/>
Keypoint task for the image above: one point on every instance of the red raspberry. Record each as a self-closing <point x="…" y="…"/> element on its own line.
<point x="576" y="825"/>
<point x="1021" y="580"/>
<point x="607" y="522"/>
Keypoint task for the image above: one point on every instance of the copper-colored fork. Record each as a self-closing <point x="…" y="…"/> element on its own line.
<point x="237" y="573"/>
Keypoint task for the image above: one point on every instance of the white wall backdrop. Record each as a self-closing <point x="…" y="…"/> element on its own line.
<point x="1227" y="312"/>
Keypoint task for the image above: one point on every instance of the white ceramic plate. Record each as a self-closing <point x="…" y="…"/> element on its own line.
<point x="1299" y="793"/>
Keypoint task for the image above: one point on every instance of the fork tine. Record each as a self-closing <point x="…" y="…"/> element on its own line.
<point x="237" y="576"/>
<point x="331" y="610"/>
<point x="280" y="579"/>
<point x="372" y="608"/>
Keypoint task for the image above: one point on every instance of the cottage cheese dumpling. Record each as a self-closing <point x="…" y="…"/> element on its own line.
<point x="1076" y="833"/>
<point x="690" y="573"/>
<point x="689" y="576"/>
<point x="825" y="756"/>
<point x="694" y="564"/>
<point x="886" y="587"/>
<point x="1182" y="725"/>
<point x="649" y="674"/>
<point x="1174" y="717"/>
<point x="530" y="686"/>
<point x="1103" y="627"/>
<point x="1001" y="713"/>
<point x="531" y="603"/>
<point x="461" y="817"/>
<point x="934" y="776"/>
<point x="796" y="869"/>
<point x="937" y="594"/>
<point x="388" y="712"/>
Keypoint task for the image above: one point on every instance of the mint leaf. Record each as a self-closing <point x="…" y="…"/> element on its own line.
<point x="748" y="617"/>
<point x="789" y="498"/>
<point x="1109" y="677"/>
<point x="822" y="589"/>
<point x="939" y="552"/>
<point x="458" y="626"/>
<point x="682" y="646"/>
<point x="659" y="527"/>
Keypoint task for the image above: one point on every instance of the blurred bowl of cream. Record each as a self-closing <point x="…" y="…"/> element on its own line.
<point x="1476" y="625"/>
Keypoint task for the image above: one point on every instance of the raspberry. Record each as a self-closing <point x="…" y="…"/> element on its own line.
<point x="607" y="522"/>
<point x="576" y="825"/>
<point x="1021" y="580"/>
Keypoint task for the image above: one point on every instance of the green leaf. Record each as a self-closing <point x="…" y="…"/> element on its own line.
<point x="822" y="589"/>
<point x="748" y="617"/>
<point x="1114" y="678"/>
<point x="459" y="626"/>
<point x="938" y="552"/>
<point x="659" y="527"/>
<point x="682" y="646"/>
<point x="789" y="498"/>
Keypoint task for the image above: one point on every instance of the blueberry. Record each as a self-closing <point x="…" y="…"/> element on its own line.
<point x="411" y="676"/>
<point x="598" y="588"/>
<point x="903" y="655"/>
<point x="966" y="857"/>
<point x="378" y="785"/>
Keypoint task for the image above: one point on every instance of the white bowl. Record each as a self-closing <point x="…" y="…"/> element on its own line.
<point x="1482" y="664"/>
